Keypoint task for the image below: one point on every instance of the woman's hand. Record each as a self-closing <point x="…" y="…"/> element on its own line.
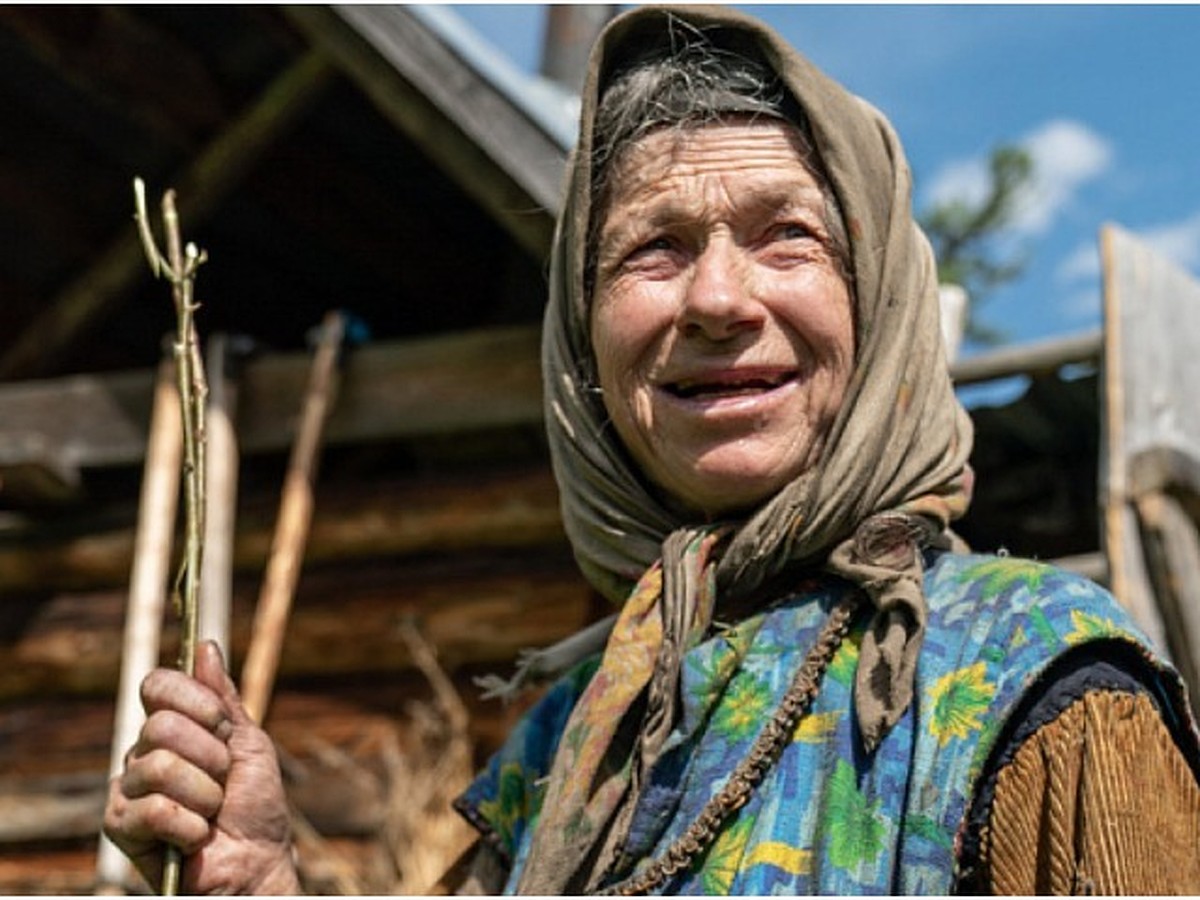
<point x="204" y="777"/>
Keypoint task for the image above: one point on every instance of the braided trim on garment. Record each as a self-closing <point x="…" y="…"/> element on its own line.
<point x="750" y="772"/>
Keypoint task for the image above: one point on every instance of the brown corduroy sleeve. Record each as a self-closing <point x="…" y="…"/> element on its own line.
<point x="1098" y="801"/>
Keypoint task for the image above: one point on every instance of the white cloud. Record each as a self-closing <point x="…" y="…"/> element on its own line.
<point x="1179" y="241"/>
<point x="1081" y="264"/>
<point x="1066" y="155"/>
<point x="963" y="181"/>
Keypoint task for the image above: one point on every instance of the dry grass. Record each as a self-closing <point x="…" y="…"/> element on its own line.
<point x="405" y="786"/>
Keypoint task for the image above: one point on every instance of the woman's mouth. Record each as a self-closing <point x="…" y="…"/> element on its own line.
<point x="719" y="386"/>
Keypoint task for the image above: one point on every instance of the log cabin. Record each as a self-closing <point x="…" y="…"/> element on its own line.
<point x="385" y="163"/>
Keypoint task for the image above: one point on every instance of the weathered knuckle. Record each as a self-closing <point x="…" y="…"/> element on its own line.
<point x="156" y="729"/>
<point x="114" y="815"/>
<point x="174" y="822"/>
<point x="153" y="686"/>
<point x="158" y="767"/>
<point x="209" y="803"/>
<point x="170" y="729"/>
<point x="222" y="765"/>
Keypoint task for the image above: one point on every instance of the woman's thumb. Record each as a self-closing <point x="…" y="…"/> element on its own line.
<point x="210" y="670"/>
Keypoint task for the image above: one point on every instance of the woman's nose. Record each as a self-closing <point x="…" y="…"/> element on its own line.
<point x="717" y="302"/>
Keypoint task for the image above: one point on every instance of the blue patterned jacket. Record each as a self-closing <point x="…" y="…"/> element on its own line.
<point x="829" y="818"/>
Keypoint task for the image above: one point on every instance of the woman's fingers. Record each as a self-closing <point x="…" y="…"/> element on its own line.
<point x="141" y="825"/>
<point x="165" y="689"/>
<point x="187" y="738"/>
<point x="161" y="773"/>
<point x="204" y="777"/>
<point x="173" y="783"/>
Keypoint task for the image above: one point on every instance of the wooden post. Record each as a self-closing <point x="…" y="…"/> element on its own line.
<point x="216" y="571"/>
<point x="147" y="591"/>
<point x="1173" y="551"/>
<point x="1129" y="580"/>
<point x="291" y="530"/>
<point x="1151" y="360"/>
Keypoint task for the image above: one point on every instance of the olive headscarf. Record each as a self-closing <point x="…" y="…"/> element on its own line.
<point x="892" y="477"/>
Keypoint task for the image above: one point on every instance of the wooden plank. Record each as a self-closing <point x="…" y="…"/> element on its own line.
<point x="1165" y="469"/>
<point x="1151" y="350"/>
<point x="465" y="124"/>
<point x="1129" y="581"/>
<point x="506" y="509"/>
<point x="51" y="808"/>
<point x="390" y="390"/>
<point x="49" y="737"/>
<point x="48" y="871"/>
<point x="344" y="623"/>
<point x="65" y="808"/>
<point x="1157" y="311"/>
<point x="1035" y="358"/>
<point x="1089" y="565"/>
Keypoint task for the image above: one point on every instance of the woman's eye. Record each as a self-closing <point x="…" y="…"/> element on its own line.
<point x="788" y="244"/>
<point x="654" y="245"/>
<point x="789" y="231"/>
<point x="656" y="252"/>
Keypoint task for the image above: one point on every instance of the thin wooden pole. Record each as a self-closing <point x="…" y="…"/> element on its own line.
<point x="147" y="591"/>
<point x="1120" y="536"/>
<point x="291" y="530"/>
<point x="216" y="570"/>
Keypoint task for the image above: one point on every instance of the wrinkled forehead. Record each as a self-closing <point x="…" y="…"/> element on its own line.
<point x="753" y="149"/>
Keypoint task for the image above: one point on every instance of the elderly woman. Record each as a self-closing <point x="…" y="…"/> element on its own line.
<point x="810" y="686"/>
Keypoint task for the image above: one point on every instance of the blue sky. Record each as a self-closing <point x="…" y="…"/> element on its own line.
<point x="1105" y="98"/>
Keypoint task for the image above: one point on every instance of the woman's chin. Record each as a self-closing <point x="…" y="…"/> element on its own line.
<point x="725" y="487"/>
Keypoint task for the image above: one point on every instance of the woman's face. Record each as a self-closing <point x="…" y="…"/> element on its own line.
<point x="722" y="327"/>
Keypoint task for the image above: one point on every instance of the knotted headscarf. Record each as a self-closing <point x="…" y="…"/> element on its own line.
<point x="892" y="477"/>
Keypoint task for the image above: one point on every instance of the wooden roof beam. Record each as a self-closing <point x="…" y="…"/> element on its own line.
<point x="210" y="178"/>
<point x="389" y="390"/>
<point x="463" y="122"/>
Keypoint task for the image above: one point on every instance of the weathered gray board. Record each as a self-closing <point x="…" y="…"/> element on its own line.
<point x="51" y="430"/>
<point x="1151" y="443"/>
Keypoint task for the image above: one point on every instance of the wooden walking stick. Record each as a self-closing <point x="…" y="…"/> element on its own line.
<point x="291" y="529"/>
<point x="147" y="591"/>
<point x="179" y="266"/>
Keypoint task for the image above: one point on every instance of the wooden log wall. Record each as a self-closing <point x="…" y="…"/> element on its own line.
<point x="475" y="561"/>
<point x="333" y="696"/>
